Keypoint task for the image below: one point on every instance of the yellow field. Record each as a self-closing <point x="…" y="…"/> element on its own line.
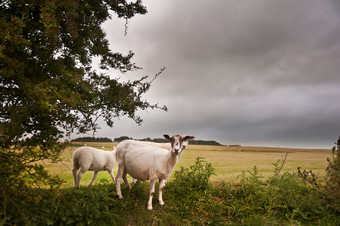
<point x="229" y="162"/>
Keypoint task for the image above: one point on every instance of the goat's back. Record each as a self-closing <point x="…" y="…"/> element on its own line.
<point x="158" y="145"/>
<point x="141" y="160"/>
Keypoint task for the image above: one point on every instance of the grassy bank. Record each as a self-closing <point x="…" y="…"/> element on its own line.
<point x="250" y="186"/>
<point x="281" y="199"/>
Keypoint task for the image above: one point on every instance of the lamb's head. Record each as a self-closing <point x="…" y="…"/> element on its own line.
<point x="177" y="142"/>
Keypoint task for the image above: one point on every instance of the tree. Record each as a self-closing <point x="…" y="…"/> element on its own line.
<point x="91" y="139"/>
<point x="120" y="139"/>
<point x="48" y="84"/>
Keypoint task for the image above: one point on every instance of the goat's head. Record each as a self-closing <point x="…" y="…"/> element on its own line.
<point x="177" y="142"/>
<point x="186" y="142"/>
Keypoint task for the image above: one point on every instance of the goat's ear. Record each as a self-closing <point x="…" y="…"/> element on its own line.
<point x="188" y="138"/>
<point x="166" y="136"/>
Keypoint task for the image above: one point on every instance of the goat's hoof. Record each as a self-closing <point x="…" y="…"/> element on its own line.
<point x="162" y="203"/>
<point x="120" y="196"/>
<point x="149" y="208"/>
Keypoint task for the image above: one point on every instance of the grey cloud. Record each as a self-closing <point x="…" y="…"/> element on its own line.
<point x="251" y="72"/>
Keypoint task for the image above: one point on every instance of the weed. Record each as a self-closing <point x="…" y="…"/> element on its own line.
<point x="330" y="190"/>
<point x="194" y="178"/>
<point x="282" y="199"/>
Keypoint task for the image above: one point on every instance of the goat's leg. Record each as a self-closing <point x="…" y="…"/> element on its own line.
<point x="95" y="173"/>
<point x="112" y="175"/>
<point x="151" y="193"/>
<point x="161" y="186"/>
<point x="126" y="180"/>
<point x="118" y="179"/>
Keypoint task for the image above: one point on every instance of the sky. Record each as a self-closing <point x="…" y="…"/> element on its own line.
<point x="252" y="73"/>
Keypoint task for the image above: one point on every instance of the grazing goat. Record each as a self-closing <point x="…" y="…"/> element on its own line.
<point x="93" y="159"/>
<point x="145" y="162"/>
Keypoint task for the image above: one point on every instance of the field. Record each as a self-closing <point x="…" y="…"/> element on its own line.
<point x="229" y="162"/>
<point x="261" y="195"/>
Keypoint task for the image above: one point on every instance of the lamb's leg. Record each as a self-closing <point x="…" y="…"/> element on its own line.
<point x="80" y="174"/>
<point x="112" y="175"/>
<point x="126" y="180"/>
<point x="152" y="192"/>
<point x="95" y="173"/>
<point x="118" y="179"/>
<point x="161" y="186"/>
<point x="74" y="172"/>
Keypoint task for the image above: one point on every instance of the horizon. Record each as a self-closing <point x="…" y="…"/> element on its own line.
<point x="221" y="143"/>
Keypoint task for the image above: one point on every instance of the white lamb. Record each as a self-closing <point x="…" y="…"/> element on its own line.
<point x="93" y="159"/>
<point x="146" y="162"/>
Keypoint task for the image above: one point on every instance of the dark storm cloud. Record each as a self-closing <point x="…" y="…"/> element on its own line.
<point x="251" y="72"/>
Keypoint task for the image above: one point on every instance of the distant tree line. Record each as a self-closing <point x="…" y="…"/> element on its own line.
<point x="92" y="139"/>
<point x="204" y="142"/>
<point x="162" y="140"/>
<point x="119" y="139"/>
<point x="157" y="140"/>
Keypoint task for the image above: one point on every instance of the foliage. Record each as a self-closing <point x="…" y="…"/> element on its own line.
<point x="87" y="206"/>
<point x="47" y="83"/>
<point x="195" y="142"/>
<point x="157" y="140"/>
<point x="92" y="139"/>
<point x="119" y="139"/>
<point x="330" y="190"/>
<point x="204" y="142"/>
<point x="283" y="199"/>
<point x="196" y="177"/>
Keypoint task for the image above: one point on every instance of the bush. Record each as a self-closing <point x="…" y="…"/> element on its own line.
<point x="194" y="178"/>
<point x="281" y="199"/>
<point x="330" y="190"/>
<point x="85" y="206"/>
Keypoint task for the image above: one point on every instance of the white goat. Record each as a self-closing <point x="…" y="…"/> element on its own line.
<point x="167" y="146"/>
<point x="146" y="162"/>
<point x="93" y="159"/>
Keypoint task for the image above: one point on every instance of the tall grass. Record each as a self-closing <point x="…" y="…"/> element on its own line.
<point x="283" y="198"/>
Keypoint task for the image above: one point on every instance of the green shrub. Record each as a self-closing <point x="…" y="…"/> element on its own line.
<point x="330" y="190"/>
<point x="281" y="199"/>
<point x="194" y="178"/>
<point x="85" y="206"/>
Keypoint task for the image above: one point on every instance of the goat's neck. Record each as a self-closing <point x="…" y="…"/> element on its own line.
<point x="172" y="160"/>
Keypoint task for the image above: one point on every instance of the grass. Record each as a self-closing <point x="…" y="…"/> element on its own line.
<point x="229" y="162"/>
<point x="249" y="188"/>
